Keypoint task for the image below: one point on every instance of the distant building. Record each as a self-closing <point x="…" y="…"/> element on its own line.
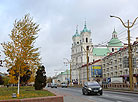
<point x="83" y="41"/>
<point x="62" y="77"/>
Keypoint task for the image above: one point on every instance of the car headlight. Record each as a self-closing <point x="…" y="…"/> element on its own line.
<point x="100" y="88"/>
<point x="89" y="89"/>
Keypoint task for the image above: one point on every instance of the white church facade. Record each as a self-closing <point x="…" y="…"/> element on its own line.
<point x="83" y="41"/>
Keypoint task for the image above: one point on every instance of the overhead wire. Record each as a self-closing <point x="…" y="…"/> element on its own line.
<point x="120" y="34"/>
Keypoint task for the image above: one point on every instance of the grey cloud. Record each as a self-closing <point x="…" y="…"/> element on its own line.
<point x="58" y="20"/>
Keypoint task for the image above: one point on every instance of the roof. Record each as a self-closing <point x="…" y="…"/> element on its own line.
<point x="114" y="32"/>
<point x="91" y="63"/>
<point x="66" y="72"/>
<point x="100" y="51"/>
<point x="85" y="29"/>
<point x="115" y="42"/>
<point x="121" y="49"/>
<point x="76" y="34"/>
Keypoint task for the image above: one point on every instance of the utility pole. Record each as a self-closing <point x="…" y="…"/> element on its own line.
<point x="128" y="26"/>
<point x="70" y="62"/>
<point x="87" y="65"/>
<point x="70" y="75"/>
<point x="87" y="51"/>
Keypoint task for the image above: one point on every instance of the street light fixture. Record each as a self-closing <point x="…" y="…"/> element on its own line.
<point x="128" y="26"/>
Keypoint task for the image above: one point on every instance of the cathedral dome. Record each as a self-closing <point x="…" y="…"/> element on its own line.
<point x="115" y="41"/>
<point x="76" y="34"/>
<point x="85" y="29"/>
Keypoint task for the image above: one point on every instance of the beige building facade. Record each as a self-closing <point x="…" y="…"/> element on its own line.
<point x="116" y="64"/>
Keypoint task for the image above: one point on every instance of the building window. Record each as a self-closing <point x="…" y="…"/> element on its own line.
<point x="72" y="51"/>
<point x="86" y="40"/>
<point x="87" y="47"/>
<point x="112" y="49"/>
<point x="111" y="74"/>
<point x="120" y="72"/>
<point x="115" y="73"/>
<point x="81" y="59"/>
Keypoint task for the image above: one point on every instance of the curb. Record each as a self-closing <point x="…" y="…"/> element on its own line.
<point x="123" y="91"/>
<point x="56" y="98"/>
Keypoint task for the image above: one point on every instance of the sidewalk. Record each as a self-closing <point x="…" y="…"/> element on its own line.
<point x="121" y="90"/>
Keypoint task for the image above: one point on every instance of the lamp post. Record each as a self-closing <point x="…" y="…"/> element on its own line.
<point x="70" y="62"/>
<point x="128" y="26"/>
<point x="87" y="51"/>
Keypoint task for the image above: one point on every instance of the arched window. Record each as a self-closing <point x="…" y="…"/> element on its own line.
<point x="87" y="47"/>
<point x="112" y="49"/>
<point x="86" y="40"/>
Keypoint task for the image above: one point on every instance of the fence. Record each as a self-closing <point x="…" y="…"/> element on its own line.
<point x="118" y="85"/>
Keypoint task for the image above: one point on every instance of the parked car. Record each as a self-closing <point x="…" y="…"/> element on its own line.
<point x="92" y="88"/>
<point x="48" y="84"/>
<point x="64" y="85"/>
<point x="53" y="85"/>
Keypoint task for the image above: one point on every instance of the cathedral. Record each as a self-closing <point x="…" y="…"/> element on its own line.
<point x="82" y="42"/>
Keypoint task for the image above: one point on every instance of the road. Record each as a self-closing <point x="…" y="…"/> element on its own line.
<point x="75" y="95"/>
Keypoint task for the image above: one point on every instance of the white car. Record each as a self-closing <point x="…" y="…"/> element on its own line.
<point x="53" y="85"/>
<point x="64" y="85"/>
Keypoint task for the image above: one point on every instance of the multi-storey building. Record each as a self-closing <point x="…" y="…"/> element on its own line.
<point x="116" y="64"/>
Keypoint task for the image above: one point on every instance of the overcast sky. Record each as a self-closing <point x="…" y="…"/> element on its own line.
<point x="58" y="20"/>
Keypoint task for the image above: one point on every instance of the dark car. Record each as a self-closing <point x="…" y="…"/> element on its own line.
<point x="92" y="88"/>
<point x="53" y="85"/>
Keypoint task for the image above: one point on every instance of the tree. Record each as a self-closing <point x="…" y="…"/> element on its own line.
<point x="6" y="80"/>
<point x="40" y="79"/>
<point x="1" y="80"/>
<point x="24" y="79"/>
<point x="49" y="80"/>
<point x="21" y="56"/>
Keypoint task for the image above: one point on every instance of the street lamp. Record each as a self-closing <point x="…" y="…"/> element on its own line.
<point x="70" y="62"/>
<point x="87" y="51"/>
<point x="129" y="49"/>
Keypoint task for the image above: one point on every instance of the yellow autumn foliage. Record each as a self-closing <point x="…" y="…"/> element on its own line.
<point x="21" y="55"/>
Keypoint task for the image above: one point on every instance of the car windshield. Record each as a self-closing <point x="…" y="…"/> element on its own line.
<point x="93" y="84"/>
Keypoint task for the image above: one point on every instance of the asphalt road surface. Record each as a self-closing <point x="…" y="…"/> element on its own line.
<point x="75" y="95"/>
